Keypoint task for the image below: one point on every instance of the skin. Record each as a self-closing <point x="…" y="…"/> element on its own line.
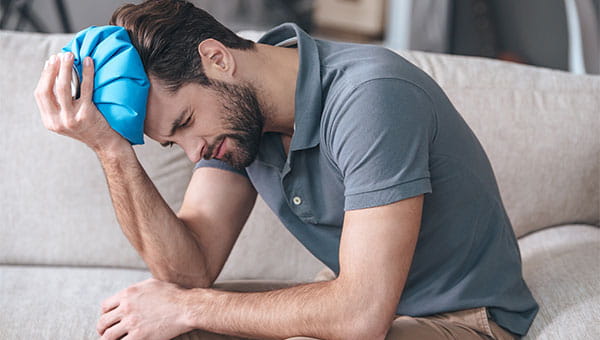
<point x="186" y="251"/>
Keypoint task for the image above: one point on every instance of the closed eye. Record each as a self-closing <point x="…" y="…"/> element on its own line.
<point x="187" y="121"/>
<point x="166" y="144"/>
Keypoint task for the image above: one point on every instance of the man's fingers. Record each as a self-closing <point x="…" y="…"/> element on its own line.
<point x="44" y="91"/>
<point x="110" y="303"/>
<point x="63" y="83"/>
<point x="87" y="84"/>
<point x="107" y="320"/>
<point x="115" y="332"/>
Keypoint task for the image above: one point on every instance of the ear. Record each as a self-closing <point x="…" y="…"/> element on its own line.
<point x="217" y="60"/>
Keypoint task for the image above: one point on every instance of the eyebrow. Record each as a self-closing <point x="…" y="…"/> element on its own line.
<point x="177" y="122"/>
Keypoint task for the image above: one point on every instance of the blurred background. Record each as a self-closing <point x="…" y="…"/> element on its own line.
<point x="559" y="34"/>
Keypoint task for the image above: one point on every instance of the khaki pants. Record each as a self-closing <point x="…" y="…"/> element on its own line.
<point x="465" y="324"/>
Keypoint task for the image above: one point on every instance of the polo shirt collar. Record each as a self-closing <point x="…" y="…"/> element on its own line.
<point x="308" y="104"/>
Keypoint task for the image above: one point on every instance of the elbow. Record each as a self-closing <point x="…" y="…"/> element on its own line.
<point x="366" y="320"/>
<point x="188" y="279"/>
<point x="184" y="281"/>
<point x="188" y="269"/>
<point x="364" y="327"/>
<point x="364" y="313"/>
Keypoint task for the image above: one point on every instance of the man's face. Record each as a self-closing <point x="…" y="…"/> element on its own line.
<point x="223" y="121"/>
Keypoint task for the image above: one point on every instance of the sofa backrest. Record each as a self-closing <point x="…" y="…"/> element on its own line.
<point x="539" y="127"/>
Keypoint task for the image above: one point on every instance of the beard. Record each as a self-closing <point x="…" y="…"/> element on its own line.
<point x="244" y="117"/>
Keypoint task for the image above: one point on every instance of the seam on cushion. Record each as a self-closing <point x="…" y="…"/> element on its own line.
<point x="583" y="89"/>
<point x="561" y="225"/>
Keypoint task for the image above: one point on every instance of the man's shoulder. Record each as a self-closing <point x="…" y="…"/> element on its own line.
<point x="370" y="84"/>
<point x="333" y="51"/>
<point x="350" y="64"/>
<point x="345" y="67"/>
<point x="383" y="97"/>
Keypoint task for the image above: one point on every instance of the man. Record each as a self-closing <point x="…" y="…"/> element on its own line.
<point x="359" y="153"/>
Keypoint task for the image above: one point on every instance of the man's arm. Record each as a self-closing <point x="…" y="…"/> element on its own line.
<point x="182" y="250"/>
<point x="376" y="252"/>
<point x="190" y="249"/>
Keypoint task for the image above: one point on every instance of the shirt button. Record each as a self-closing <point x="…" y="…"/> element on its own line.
<point x="297" y="200"/>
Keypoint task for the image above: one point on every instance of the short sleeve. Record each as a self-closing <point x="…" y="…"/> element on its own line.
<point x="218" y="164"/>
<point x="380" y="141"/>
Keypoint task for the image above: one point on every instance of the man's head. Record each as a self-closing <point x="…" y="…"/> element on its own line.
<point x="195" y="99"/>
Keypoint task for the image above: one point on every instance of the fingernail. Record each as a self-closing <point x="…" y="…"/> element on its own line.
<point x="66" y="56"/>
<point x="52" y="59"/>
<point x="87" y="61"/>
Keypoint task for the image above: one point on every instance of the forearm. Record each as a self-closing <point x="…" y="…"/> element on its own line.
<point x="323" y="310"/>
<point x="166" y="245"/>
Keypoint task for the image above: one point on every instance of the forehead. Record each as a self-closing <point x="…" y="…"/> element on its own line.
<point x="163" y="107"/>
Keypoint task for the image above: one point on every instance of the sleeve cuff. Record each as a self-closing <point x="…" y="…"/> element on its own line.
<point x="387" y="195"/>
<point x="215" y="163"/>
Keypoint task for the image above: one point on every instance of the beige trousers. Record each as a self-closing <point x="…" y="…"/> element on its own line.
<point x="461" y="325"/>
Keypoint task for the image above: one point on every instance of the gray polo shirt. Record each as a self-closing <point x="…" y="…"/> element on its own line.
<point x="372" y="129"/>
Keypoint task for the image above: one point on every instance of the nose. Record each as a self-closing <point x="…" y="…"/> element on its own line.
<point x="193" y="150"/>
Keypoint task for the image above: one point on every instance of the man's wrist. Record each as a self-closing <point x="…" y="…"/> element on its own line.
<point x="115" y="148"/>
<point x="192" y="304"/>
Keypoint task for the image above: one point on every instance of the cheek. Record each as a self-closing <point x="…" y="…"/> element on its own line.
<point x="189" y="139"/>
<point x="208" y="124"/>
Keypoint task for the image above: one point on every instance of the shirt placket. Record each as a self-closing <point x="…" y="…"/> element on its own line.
<point x="295" y="196"/>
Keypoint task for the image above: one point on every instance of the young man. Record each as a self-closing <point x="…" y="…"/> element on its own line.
<point x="359" y="153"/>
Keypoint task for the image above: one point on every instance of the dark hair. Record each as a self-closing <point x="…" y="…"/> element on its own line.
<point x="167" y="33"/>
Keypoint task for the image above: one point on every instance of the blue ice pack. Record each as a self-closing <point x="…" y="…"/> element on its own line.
<point x="120" y="82"/>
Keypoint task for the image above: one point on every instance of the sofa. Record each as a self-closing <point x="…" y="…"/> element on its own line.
<point x="62" y="251"/>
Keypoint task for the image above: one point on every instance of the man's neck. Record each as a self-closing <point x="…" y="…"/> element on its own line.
<point x="273" y="72"/>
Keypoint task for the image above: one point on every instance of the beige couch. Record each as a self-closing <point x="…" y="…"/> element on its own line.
<point x="62" y="252"/>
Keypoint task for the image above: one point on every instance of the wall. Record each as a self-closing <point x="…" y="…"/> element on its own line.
<point x="533" y="29"/>
<point x="83" y="13"/>
<point x="236" y="14"/>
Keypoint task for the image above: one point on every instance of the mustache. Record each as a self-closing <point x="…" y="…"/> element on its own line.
<point x="242" y="137"/>
<point x="211" y="148"/>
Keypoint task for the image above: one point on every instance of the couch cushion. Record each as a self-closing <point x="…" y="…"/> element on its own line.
<point x="49" y="302"/>
<point x="539" y="128"/>
<point x="57" y="302"/>
<point x="561" y="265"/>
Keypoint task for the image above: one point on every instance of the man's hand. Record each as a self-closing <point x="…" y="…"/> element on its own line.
<point x="76" y="118"/>
<point x="151" y="310"/>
